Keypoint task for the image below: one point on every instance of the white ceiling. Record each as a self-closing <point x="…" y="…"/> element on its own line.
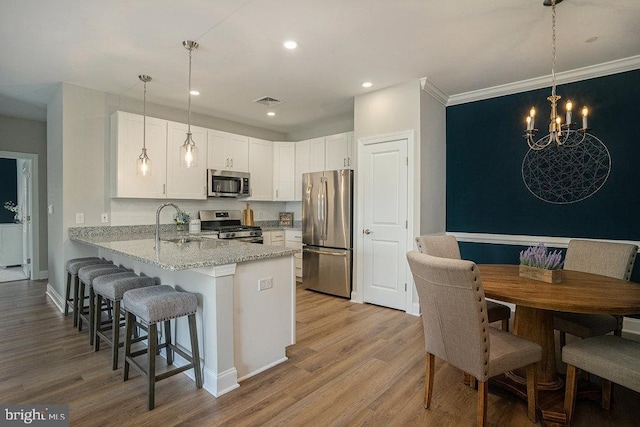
<point x="461" y="46"/>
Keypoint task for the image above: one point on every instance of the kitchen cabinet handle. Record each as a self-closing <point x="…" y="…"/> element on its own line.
<point x="231" y="162"/>
<point x="164" y="188"/>
<point x="344" y="161"/>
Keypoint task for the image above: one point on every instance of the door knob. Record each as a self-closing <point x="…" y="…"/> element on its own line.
<point x="367" y="231"/>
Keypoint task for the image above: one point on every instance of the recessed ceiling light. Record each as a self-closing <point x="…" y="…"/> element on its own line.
<point x="367" y="84"/>
<point x="290" y="44"/>
<point x="195" y="92"/>
<point x="271" y="113"/>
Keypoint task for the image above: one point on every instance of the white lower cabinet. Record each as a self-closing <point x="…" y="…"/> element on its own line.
<point x="293" y="239"/>
<point x="273" y="238"/>
<point x="11" y="244"/>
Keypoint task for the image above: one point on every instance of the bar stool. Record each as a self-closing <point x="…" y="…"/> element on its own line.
<point x="112" y="287"/>
<point x="151" y="305"/>
<point x="86" y="275"/>
<point x="72" y="266"/>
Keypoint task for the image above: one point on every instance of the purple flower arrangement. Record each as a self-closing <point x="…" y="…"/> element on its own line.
<point x="540" y="257"/>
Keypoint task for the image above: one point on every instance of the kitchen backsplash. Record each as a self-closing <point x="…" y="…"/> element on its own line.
<point x="143" y="211"/>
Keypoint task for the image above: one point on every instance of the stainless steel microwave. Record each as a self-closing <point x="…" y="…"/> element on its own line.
<point x="228" y="183"/>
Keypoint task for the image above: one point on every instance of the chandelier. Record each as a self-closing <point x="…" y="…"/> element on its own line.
<point x="188" y="148"/>
<point x="559" y="133"/>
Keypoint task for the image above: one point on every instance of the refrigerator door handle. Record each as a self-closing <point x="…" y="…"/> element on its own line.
<point x="324" y="252"/>
<point x="325" y="228"/>
<point x="322" y="208"/>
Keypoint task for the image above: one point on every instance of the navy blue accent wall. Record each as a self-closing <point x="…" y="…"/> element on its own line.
<point x="485" y="148"/>
<point x="8" y="188"/>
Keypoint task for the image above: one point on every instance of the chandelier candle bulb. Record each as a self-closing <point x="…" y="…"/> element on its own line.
<point x="569" y="107"/>
<point x="529" y="123"/>
<point x="585" y="111"/>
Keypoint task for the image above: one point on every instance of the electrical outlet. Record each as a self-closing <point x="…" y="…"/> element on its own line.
<point x="104" y="217"/>
<point x="79" y="218"/>
<point x="264" y="284"/>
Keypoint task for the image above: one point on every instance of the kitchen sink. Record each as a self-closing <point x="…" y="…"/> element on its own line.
<point x="182" y="240"/>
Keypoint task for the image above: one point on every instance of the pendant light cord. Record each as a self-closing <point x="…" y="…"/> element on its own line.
<point x="189" y="105"/>
<point x="144" y="119"/>
<point x="553" y="47"/>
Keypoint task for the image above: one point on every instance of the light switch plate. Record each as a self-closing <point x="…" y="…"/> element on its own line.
<point x="79" y="218"/>
<point x="104" y="217"/>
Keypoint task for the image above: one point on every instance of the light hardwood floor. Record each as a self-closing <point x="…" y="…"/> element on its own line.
<point x="352" y="365"/>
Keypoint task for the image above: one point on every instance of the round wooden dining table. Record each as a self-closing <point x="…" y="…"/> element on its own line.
<point x="536" y="301"/>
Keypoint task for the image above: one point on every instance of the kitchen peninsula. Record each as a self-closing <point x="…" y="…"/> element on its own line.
<point x="246" y="294"/>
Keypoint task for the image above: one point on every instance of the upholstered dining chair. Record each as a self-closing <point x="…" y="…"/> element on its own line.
<point x="445" y="246"/>
<point x="612" y="358"/>
<point x="456" y="329"/>
<point x="603" y="258"/>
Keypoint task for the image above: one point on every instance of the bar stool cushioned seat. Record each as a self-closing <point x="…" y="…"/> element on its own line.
<point x="112" y="287"/>
<point x="151" y="305"/>
<point x="612" y="358"/>
<point x="86" y="276"/>
<point x="72" y="266"/>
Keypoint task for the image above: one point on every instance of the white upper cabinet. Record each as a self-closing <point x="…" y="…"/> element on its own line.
<point x="310" y="156"/>
<point x="339" y="151"/>
<point x="317" y="154"/>
<point x="227" y="151"/>
<point x="303" y="165"/>
<point x="126" y="146"/>
<point x="261" y="169"/>
<point x="186" y="183"/>
<point x="283" y="171"/>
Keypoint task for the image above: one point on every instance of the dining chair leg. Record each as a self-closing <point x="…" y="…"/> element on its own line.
<point x="606" y="395"/>
<point x="570" y="392"/>
<point x="473" y="383"/>
<point x="505" y="325"/>
<point x="532" y="392"/>
<point x="428" y="379"/>
<point x="483" y="395"/>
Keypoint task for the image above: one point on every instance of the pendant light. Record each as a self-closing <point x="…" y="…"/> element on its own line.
<point x="188" y="150"/>
<point x="143" y="165"/>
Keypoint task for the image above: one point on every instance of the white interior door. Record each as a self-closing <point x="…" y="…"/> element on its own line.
<point x="385" y="182"/>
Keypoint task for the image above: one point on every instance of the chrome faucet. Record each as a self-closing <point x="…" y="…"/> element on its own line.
<point x="158" y="220"/>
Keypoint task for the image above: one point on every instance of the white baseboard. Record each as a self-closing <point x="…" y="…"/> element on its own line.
<point x="57" y="299"/>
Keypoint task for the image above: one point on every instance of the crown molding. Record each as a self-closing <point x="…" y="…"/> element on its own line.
<point x="429" y="87"/>
<point x="585" y="73"/>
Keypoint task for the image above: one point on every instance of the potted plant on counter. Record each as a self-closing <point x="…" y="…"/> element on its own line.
<point x="182" y="221"/>
<point x="537" y="263"/>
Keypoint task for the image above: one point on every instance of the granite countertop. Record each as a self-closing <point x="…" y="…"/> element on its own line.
<point x="177" y="251"/>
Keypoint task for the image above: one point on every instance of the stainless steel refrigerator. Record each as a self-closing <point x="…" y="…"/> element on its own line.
<point x="327" y="222"/>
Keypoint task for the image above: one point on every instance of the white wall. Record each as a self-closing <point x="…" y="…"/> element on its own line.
<point x="433" y="153"/>
<point x="406" y="107"/>
<point x="29" y="136"/>
<point x="331" y="126"/>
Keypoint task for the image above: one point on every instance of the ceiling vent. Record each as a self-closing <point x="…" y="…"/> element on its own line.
<point x="268" y="101"/>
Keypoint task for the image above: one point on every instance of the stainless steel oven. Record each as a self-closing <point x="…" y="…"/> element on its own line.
<point x="228" y="225"/>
